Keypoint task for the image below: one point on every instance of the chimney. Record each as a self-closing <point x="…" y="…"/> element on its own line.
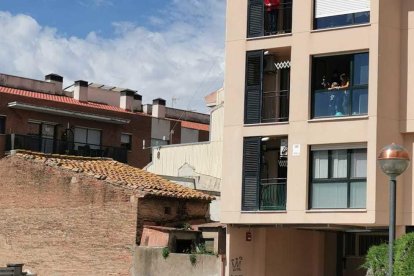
<point x="158" y="108"/>
<point x="57" y="80"/>
<point x="137" y="102"/>
<point x="126" y="99"/>
<point x="81" y="91"/>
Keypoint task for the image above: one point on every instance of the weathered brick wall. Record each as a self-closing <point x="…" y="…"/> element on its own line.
<point x="151" y="211"/>
<point x="61" y="223"/>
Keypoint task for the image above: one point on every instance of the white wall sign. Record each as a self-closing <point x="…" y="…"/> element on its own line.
<point x="296" y="150"/>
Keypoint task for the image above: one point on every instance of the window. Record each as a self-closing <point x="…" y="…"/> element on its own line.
<point x="2" y="124"/>
<point x="264" y="21"/>
<point x="340" y="85"/>
<point x="126" y="141"/>
<point x="264" y="173"/>
<point x="338" y="178"/>
<point x="89" y="138"/>
<point x="337" y="13"/>
<point x="267" y="88"/>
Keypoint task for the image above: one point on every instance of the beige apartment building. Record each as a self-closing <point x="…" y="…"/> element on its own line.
<point x="314" y="90"/>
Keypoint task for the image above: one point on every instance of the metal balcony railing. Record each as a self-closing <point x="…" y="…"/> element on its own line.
<point x="48" y="145"/>
<point x="275" y="106"/>
<point x="273" y="194"/>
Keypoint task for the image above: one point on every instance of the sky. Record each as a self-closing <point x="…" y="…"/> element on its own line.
<point x="165" y="48"/>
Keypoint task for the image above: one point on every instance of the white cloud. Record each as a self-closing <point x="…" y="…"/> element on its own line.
<point x="184" y="59"/>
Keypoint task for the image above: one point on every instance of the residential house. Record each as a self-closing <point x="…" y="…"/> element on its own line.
<point x="196" y="165"/>
<point x="314" y="90"/>
<point x="90" y="119"/>
<point x="74" y="215"/>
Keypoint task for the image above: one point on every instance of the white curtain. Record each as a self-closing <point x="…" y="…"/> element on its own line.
<point x="329" y="195"/>
<point x="320" y="164"/>
<point x="359" y="163"/>
<point x="339" y="164"/>
<point x="325" y="8"/>
<point x="358" y="195"/>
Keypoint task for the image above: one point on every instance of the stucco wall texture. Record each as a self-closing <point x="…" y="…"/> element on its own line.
<point x="58" y="223"/>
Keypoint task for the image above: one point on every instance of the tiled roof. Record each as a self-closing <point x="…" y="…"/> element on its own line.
<point x="118" y="174"/>
<point x="59" y="98"/>
<point x="69" y="100"/>
<point x="193" y="125"/>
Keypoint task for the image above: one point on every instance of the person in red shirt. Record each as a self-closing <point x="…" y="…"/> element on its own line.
<point x="272" y="7"/>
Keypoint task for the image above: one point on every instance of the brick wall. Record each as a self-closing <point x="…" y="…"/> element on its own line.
<point x="63" y="223"/>
<point x="139" y="126"/>
<point x="152" y="211"/>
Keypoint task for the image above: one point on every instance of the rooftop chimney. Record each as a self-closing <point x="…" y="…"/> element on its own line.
<point x="137" y="102"/>
<point x="126" y="99"/>
<point x="81" y="91"/>
<point x="158" y="108"/>
<point x="57" y="80"/>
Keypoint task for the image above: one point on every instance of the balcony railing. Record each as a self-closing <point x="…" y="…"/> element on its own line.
<point x="273" y="194"/>
<point x="275" y="106"/>
<point x="342" y="102"/>
<point x="283" y="18"/>
<point x="48" y="145"/>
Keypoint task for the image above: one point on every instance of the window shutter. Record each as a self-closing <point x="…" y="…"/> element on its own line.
<point x="255" y="18"/>
<point x="251" y="174"/>
<point x="253" y="97"/>
<point x="325" y="8"/>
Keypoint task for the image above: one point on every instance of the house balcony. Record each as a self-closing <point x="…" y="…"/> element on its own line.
<point x="55" y="146"/>
<point x="273" y="194"/>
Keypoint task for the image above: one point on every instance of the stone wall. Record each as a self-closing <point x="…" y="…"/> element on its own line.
<point x="148" y="261"/>
<point x="170" y="212"/>
<point x="63" y="223"/>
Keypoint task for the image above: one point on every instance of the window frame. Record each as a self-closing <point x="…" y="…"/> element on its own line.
<point x="128" y="145"/>
<point x="352" y="86"/>
<point x="314" y="20"/>
<point x="348" y="179"/>
<point x="87" y="135"/>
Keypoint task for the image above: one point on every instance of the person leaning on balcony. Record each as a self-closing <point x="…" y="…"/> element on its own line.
<point x="272" y="7"/>
<point x="341" y="99"/>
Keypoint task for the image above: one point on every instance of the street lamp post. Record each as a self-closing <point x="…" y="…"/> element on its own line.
<point x="393" y="160"/>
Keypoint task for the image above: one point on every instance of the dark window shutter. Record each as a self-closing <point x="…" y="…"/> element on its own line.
<point x="253" y="98"/>
<point x="255" y="18"/>
<point x="251" y="173"/>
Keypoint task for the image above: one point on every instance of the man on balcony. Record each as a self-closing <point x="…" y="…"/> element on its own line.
<point x="272" y="7"/>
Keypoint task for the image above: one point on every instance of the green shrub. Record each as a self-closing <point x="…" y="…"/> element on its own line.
<point x="376" y="260"/>
<point x="165" y="252"/>
<point x="404" y="255"/>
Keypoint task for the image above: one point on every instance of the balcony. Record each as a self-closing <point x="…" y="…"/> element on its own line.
<point x="273" y="194"/>
<point x="264" y="21"/>
<point x="275" y="106"/>
<point x="48" y="145"/>
<point x="341" y="102"/>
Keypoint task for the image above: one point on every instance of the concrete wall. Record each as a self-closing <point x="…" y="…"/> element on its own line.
<point x="62" y="223"/>
<point x="149" y="261"/>
<point x="279" y="252"/>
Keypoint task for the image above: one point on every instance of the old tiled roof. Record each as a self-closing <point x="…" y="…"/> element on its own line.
<point x="59" y="98"/>
<point x="72" y="101"/>
<point x="116" y="173"/>
<point x="193" y="125"/>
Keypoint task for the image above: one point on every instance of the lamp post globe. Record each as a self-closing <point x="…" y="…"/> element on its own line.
<point x="393" y="160"/>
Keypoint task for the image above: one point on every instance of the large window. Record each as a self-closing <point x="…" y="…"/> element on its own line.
<point x="340" y="85"/>
<point x="86" y="138"/>
<point x="337" y="13"/>
<point x="269" y="17"/>
<point x="338" y="178"/>
<point x="264" y="173"/>
<point x="267" y="87"/>
<point x="126" y="141"/>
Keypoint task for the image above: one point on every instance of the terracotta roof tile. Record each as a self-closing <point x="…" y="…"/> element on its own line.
<point x="118" y="174"/>
<point x="193" y="125"/>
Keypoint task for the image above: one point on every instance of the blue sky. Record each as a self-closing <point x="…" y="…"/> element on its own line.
<point x="165" y="48"/>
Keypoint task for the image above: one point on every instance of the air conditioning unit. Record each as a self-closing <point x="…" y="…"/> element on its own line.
<point x="269" y="64"/>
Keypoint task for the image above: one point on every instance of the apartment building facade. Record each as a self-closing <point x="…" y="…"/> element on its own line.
<point x="314" y="90"/>
<point x="90" y="119"/>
